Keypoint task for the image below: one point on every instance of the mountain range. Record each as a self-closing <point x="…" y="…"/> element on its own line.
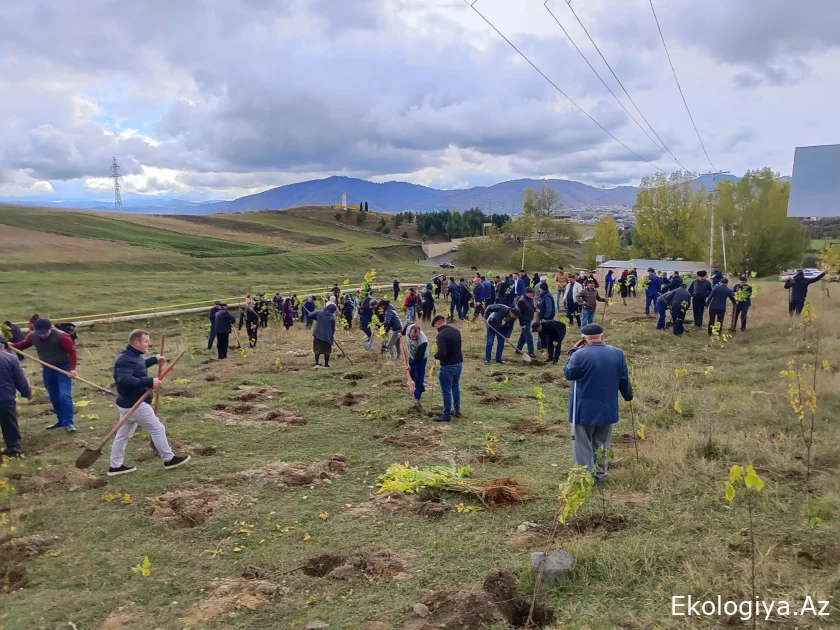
<point x="505" y="197"/>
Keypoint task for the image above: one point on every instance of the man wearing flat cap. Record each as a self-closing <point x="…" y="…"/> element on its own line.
<point x="598" y="373"/>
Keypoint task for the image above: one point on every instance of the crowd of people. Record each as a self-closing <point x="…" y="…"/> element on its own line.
<point x="598" y="372"/>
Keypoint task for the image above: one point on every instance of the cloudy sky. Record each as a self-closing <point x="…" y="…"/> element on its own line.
<point x="213" y="99"/>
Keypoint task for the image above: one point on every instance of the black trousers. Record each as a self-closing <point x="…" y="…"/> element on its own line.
<point x="264" y="319"/>
<point x="716" y="316"/>
<point x="553" y="351"/>
<point x="11" y="431"/>
<point x="252" y="336"/>
<point x="741" y="310"/>
<point x="796" y="305"/>
<point x="699" y="305"/>
<point x="222" y="340"/>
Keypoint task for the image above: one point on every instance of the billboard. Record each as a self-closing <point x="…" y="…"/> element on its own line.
<point x="815" y="185"/>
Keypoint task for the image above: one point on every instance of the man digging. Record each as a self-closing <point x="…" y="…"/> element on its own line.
<point x="56" y="348"/>
<point x="132" y="379"/>
<point x="598" y="373"/>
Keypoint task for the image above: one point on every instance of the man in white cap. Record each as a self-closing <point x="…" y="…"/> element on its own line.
<point x="598" y="373"/>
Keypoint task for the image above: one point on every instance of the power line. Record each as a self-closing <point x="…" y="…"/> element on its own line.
<point x="665" y="146"/>
<point x="554" y="85"/>
<point x="679" y="87"/>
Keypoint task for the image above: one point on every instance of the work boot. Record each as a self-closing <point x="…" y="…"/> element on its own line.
<point x="50" y="427"/>
<point x="442" y="418"/>
<point x="457" y="414"/>
<point x="176" y="461"/>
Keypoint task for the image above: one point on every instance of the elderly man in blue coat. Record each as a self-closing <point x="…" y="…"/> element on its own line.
<point x="598" y="373"/>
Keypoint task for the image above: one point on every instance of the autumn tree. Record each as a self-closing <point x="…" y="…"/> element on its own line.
<point x="757" y="232"/>
<point x="605" y="242"/>
<point x="670" y="216"/>
<point x="542" y="203"/>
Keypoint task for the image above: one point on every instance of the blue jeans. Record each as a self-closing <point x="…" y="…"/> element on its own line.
<point x="462" y="310"/>
<point x="660" y="309"/>
<point x="59" y="388"/>
<point x="418" y="375"/>
<point x="586" y="317"/>
<point x="364" y="324"/>
<point x="525" y="336"/>
<point x="411" y="312"/>
<point x="488" y="348"/>
<point x="650" y="299"/>
<point x="449" y="377"/>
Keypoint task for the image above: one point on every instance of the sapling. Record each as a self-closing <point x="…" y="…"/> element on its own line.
<point x="803" y="397"/>
<point x="753" y="483"/>
<point x="538" y="392"/>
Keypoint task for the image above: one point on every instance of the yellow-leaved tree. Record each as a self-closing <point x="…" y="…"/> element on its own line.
<point x="604" y="243"/>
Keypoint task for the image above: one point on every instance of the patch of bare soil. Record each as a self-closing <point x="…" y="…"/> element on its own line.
<point x="595" y="525"/>
<point x="236" y="407"/>
<point x="497" y="603"/>
<point x="13" y="556"/>
<point x="373" y="564"/>
<point x="179" y="393"/>
<point x="347" y="400"/>
<point x="189" y="508"/>
<point x="68" y="477"/>
<point x="476" y="389"/>
<point x="534" y="427"/>
<point x="503" y="374"/>
<point x="624" y="438"/>
<point x="425" y="503"/>
<point x="179" y="446"/>
<point x="275" y="419"/>
<point x="74" y="444"/>
<point x="419" y="441"/>
<point x="230" y="596"/>
<point x="121" y="621"/>
<point x="631" y="499"/>
<point x="210" y="378"/>
<point x="292" y="474"/>
<point x="393" y="382"/>
<point x="354" y="376"/>
<point x="531" y="539"/>
<point x="256" y="393"/>
<point x="495" y="399"/>
<point x="821" y="558"/>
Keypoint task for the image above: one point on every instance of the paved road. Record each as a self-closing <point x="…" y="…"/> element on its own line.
<point x="435" y="261"/>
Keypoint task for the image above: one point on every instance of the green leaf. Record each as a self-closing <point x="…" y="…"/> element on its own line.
<point x="735" y="473"/>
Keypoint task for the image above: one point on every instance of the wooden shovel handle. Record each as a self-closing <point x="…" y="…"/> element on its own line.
<point x="160" y="371"/>
<point x="136" y="405"/>
<point x="60" y="371"/>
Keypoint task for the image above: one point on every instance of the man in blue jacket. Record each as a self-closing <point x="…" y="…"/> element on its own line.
<point x="500" y="320"/>
<point x="677" y="301"/>
<point x="598" y="373"/>
<point x="717" y="276"/>
<point x="133" y="380"/>
<point x="521" y="284"/>
<point x="546" y="307"/>
<point x="700" y="289"/>
<point x="652" y="290"/>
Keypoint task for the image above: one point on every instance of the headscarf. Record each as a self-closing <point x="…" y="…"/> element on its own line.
<point x="412" y="344"/>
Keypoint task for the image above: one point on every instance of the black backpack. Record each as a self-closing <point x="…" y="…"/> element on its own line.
<point x="68" y="328"/>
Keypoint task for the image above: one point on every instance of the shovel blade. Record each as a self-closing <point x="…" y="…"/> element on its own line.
<point x="88" y="458"/>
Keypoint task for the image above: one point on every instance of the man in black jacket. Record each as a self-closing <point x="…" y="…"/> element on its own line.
<point x="249" y="317"/>
<point x="677" y="300"/>
<point x="224" y="324"/>
<point x="798" y="286"/>
<point x="527" y="309"/>
<point x="213" y="311"/>
<point x="700" y="290"/>
<point x="552" y="334"/>
<point x="717" y="303"/>
<point x="396" y="290"/>
<point x="503" y="291"/>
<point x="500" y="320"/>
<point x="743" y="300"/>
<point x="133" y="380"/>
<point x="454" y="298"/>
<point x="451" y="365"/>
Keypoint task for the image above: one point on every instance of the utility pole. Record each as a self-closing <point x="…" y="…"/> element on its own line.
<point x="712" y="227"/>
<point x="723" y="244"/>
<point x="115" y="175"/>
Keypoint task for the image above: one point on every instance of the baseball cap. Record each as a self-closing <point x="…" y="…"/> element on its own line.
<point x="43" y="325"/>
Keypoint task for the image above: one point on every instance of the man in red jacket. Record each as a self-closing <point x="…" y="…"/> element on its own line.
<point x="56" y="348"/>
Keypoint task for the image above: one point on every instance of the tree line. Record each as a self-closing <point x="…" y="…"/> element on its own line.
<point x="455" y="224"/>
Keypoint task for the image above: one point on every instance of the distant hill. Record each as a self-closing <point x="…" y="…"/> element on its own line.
<point x="505" y="197"/>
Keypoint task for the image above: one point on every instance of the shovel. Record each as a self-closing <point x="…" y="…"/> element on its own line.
<point x="525" y="357"/>
<point x="89" y="456"/>
<point x="67" y="374"/>
<point x="160" y="372"/>
<point x="342" y="352"/>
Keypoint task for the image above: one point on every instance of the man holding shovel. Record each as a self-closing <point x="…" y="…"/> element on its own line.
<point x="132" y="379"/>
<point x="57" y="349"/>
<point x="500" y="319"/>
<point x="12" y="379"/>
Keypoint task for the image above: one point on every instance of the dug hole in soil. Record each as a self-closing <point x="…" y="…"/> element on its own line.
<point x="13" y="556"/>
<point x="246" y="416"/>
<point x="498" y="602"/>
<point x="256" y="393"/>
<point x="372" y="564"/>
<point x="291" y="474"/>
<point x="230" y="596"/>
<point x="190" y="508"/>
<point x="425" y="503"/>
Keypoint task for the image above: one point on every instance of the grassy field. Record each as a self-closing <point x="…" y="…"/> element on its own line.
<point x="223" y="548"/>
<point x="106" y="229"/>
<point x="67" y="276"/>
